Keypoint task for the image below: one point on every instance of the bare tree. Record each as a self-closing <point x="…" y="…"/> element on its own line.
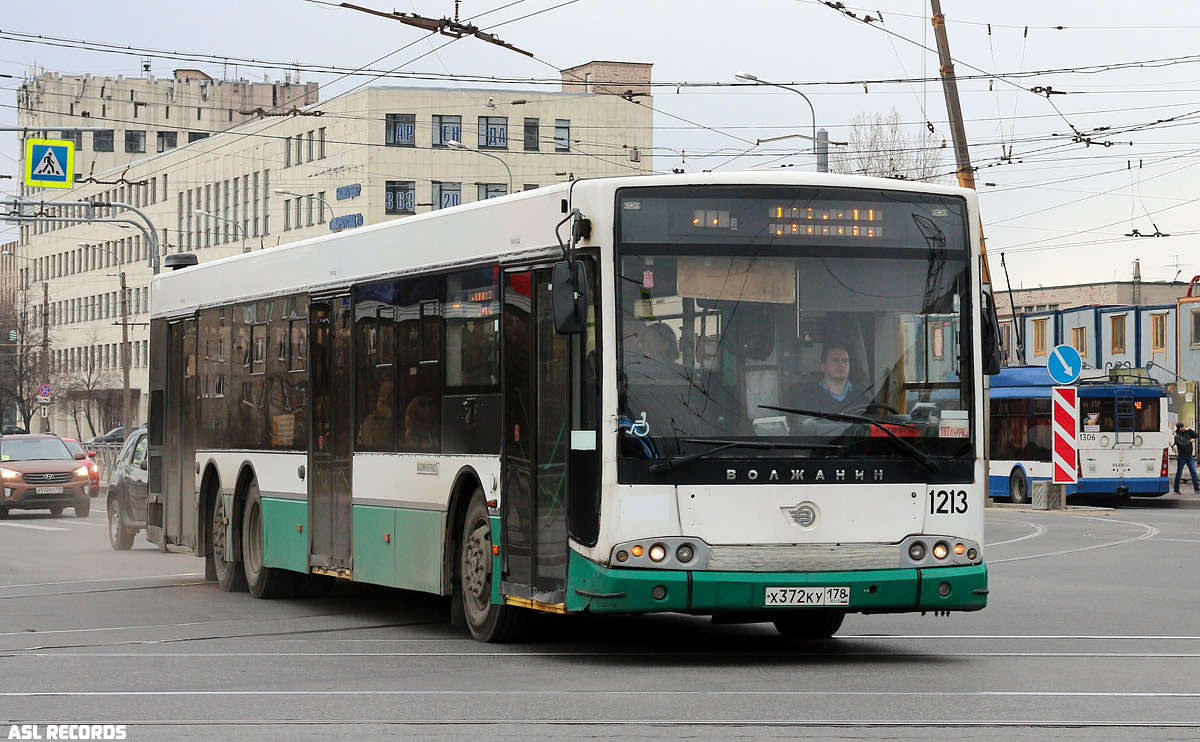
<point x="880" y="146"/>
<point x="20" y="355"/>
<point x="86" y="390"/>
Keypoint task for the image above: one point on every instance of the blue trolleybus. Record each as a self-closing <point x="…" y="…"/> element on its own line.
<point x="1123" y="434"/>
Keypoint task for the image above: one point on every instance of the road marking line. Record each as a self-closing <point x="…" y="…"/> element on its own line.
<point x="1038" y="530"/>
<point x="1151" y="532"/>
<point x="40" y="652"/>
<point x="815" y="693"/>
<point x="103" y="579"/>
<point x="29" y="525"/>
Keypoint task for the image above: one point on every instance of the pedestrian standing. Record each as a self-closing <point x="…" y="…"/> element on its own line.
<point x="1184" y="453"/>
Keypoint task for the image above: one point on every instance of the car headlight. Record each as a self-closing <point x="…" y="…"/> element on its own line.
<point x="10" y="474"/>
<point x="81" y="471"/>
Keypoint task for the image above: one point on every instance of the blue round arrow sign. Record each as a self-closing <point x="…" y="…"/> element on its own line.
<point x="1064" y="364"/>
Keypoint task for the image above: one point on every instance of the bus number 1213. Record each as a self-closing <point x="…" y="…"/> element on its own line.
<point x="947" y="502"/>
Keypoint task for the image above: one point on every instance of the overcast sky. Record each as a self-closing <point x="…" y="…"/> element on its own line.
<point x="1058" y="209"/>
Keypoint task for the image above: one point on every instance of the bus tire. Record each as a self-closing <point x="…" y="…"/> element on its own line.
<point x="230" y="576"/>
<point x="119" y="537"/>
<point x="1018" y="487"/>
<point x="809" y="624"/>
<point x="487" y="621"/>
<point x="261" y="580"/>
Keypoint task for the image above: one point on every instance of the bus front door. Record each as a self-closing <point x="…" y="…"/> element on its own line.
<point x="330" y="445"/>
<point x="536" y="441"/>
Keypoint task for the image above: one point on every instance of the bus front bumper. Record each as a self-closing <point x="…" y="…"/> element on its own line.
<point x="598" y="589"/>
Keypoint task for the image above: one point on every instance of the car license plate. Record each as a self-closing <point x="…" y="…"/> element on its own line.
<point x="49" y="490"/>
<point x="793" y="596"/>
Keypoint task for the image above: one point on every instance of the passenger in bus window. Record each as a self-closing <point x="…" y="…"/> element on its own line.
<point x="377" y="427"/>
<point x="833" y="392"/>
<point x="421" y="424"/>
<point x="1184" y="448"/>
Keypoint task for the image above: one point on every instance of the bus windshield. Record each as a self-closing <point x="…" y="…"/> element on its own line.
<point x="815" y="302"/>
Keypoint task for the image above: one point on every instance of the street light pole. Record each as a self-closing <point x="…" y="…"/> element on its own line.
<point x="126" y="417"/>
<point x="314" y="197"/>
<point x="459" y="145"/>
<point x="236" y="226"/>
<point x="747" y="77"/>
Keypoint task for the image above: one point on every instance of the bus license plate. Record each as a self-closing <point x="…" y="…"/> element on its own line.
<point x="49" y="490"/>
<point x="793" y="596"/>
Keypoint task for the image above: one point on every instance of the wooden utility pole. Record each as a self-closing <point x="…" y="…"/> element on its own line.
<point x="958" y="132"/>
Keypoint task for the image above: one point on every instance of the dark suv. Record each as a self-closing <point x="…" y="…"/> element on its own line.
<point x="127" y="492"/>
<point x="39" y="472"/>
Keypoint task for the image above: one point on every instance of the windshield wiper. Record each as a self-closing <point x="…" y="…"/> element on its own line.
<point x="930" y="465"/>
<point x="723" y="445"/>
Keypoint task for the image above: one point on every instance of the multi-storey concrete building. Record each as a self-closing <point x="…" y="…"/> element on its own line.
<point x="370" y="155"/>
<point x="146" y="115"/>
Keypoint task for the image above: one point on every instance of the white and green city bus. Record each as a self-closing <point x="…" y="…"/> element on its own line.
<point x="591" y="398"/>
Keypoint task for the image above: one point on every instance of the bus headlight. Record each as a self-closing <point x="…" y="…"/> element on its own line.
<point x="658" y="553"/>
<point x="916" y="551"/>
<point x="685" y="553"/>
<point x="941" y="550"/>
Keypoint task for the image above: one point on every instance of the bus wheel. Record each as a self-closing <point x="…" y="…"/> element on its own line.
<point x="263" y="581"/>
<point x="487" y="621"/>
<point x="230" y="576"/>
<point x="1018" y="487"/>
<point x="809" y="624"/>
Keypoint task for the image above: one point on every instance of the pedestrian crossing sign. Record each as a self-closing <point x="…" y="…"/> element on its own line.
<point x="49" y="163"/>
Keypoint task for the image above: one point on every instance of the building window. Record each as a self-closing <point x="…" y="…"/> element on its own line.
<point x="492" y="190"/>
<point x="287" y="215"/>
<point x="1158" y="333"/>
<point x="321" y="143"/>
<point x="1195" y="328"/>
<point x="1039" y="337"/>
<point x="195" y="136"/>
<point x="312" y="138"/>
<point x="531" y="135"/>
<point x="73" y="136"/>
<point x="1118" y="334"/>
<point x="493" y="132"/>
<point x="402" y="130"/>
<point x="167" y="140"/>
<point x="287" y="151"/>
<point x="321" y="209"/>
<point x="446" y="129"/>
<point x="400" y="197"/>
<point x="562" y="135"/>
<point x="1079" y="340"/>
<point x="135" y="140"/>
<point x="446" y="195"/>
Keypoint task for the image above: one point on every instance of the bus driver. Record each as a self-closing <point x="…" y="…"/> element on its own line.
<point x="834" y="392"/>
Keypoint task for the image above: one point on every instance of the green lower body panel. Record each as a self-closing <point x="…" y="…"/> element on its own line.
<point x="398" y="547"/>
<point x="595" y="588"/>
<point x="285" y="531"/>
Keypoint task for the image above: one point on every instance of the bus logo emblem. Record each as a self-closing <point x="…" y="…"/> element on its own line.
<point x="803" y="515"/>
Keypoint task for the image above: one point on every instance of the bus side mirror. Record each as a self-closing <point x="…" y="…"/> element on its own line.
<point x="569" y="297"/>
<point x="990" y="326"/>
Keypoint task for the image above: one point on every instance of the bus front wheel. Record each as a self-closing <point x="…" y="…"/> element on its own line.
<point x="488" y="621"/>
<point x="1018" y="487"/>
